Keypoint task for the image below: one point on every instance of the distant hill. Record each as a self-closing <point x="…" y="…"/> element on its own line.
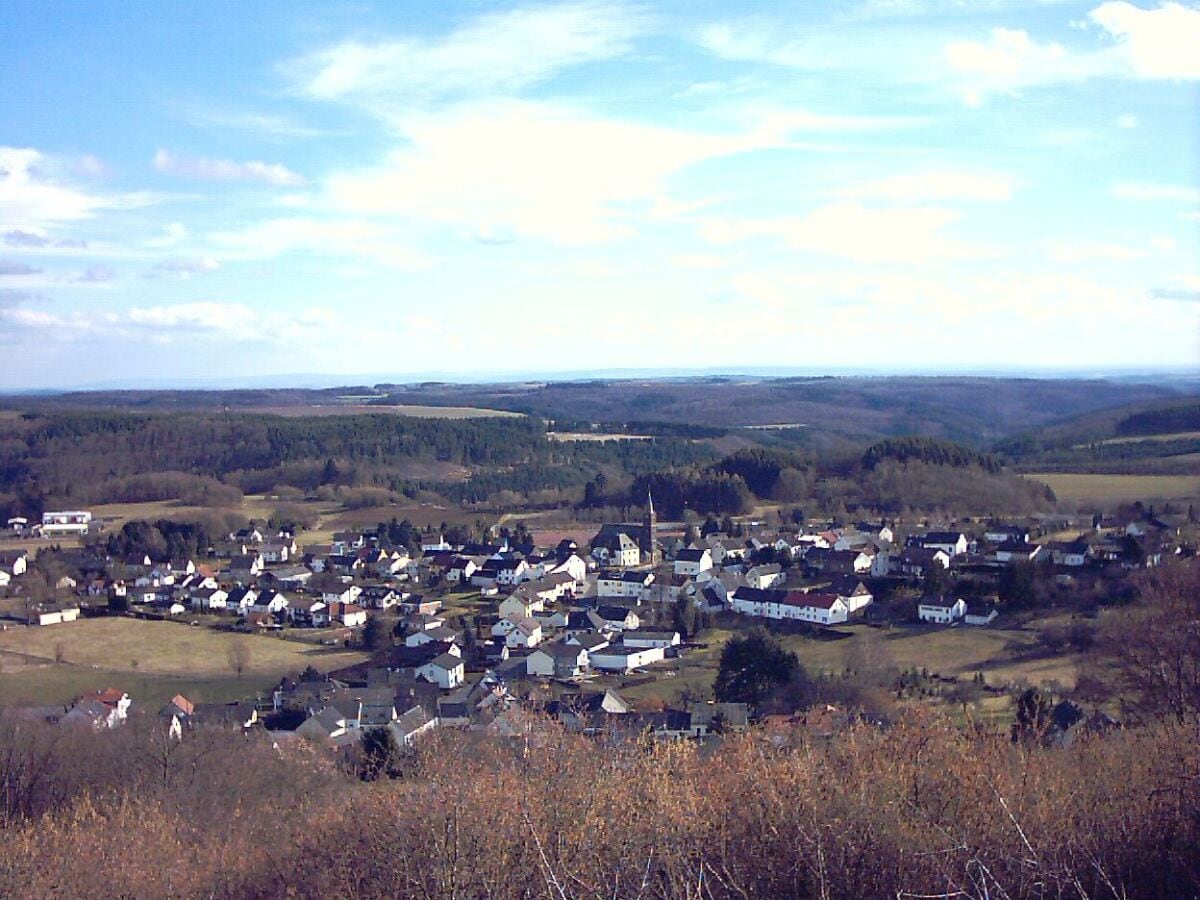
<point x="1156" y="437"/>
<point x="816" y="411"/>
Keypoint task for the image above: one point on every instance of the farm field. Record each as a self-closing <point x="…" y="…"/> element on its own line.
<point x="165" y="648"/>
<point x="419" y="412"/>
<point x="1077" y="487"/>
<point x="52" y="684"/>
<point x="1002" y="655"/>
<point x="1137" y="438"/>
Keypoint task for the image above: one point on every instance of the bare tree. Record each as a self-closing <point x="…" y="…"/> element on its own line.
<point x="240" y="655"/>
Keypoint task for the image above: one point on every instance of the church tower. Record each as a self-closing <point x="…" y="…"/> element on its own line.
<point x="649" y="541"/>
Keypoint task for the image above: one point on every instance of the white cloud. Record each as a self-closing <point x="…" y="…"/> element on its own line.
<point x="28" y="199"/>
<point x="699" y="261"/>
<point x="1142" y="190"/>
<point x="185" y="267"/>
<point x="1127" y="121"/>
<point x="850" y="230"/>
<point x="502" y="51"/>
<point x="1082" y="253"/>
<point x="535" y="170"/>
<point x="1162" y="43"/>
<point x="225" y="169"/>
<point x="334" y="237"/>
<point x="933" y="186"/>
<point x="170" y="323"/>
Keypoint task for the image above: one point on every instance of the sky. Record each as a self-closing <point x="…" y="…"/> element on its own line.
<point x="220" y="191"/>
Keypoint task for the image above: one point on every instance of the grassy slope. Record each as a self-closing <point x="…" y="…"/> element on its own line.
<point x="170" y="657"/>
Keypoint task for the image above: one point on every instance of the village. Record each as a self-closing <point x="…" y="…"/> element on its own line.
<point x="479" y="636"/>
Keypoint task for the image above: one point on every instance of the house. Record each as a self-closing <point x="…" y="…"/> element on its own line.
<point x="461" y="570"/>
<point x="269" y="601"/>
<point x="348" y="615"/>
<point x="511" y="572"/>
<point x="816" y="607"/>
<point x="573" y="566"/>
<point x="952" y="543"/>
<point x="616" y="548"/>
<point x="520" y="604"/>
<point x="843" y="562"/>
<point x="1004" y="534"/>
<point x="641" y="638"/>
<point x="628" y="583"/>
<point x="447" y="671"/>
<point x="620" y="618"/>
<point x="411" y="724"/>
<point x="765" y="576"/>
<point x="526" y="633"/>
<point x="378" y="597"/>
<point x="328" y="724"/>
<point x="980" y="612"/>
<point x="303" y="610"/>
<point x="417" y="604"/>
<point x="708" y="718"/>
<point x="725" y="549"/>
<point x="623" y="659"/>
<point x="51" y="614"/>
<point x="440" y="633"/>
<point x="588" y="640"/>
<point x="1069" y="553"/>
<point x="245" y="566"/>
<point x="66" y="522"/>
<point x="941" y="610"/>
<point x="15" y="562"/>
<point x="557" y="660"/>
<point x="915" y="561"/>
<point x="100" y="709"/>
<point x="693" y="562"/>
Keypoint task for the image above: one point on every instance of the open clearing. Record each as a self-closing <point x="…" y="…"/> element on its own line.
<point x="1075" y="486"/>
<point x="594" y="436"/>
<point x="166" y="648"/>
<point x="1002" y="655"/>
<point x="1138" y="438"/>
<point x="419" y="412"/>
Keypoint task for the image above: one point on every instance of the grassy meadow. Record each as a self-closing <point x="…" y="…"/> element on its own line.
<point x="151" y="657"/>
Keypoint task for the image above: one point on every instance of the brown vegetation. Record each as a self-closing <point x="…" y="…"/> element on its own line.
<point x="922" y="808"/>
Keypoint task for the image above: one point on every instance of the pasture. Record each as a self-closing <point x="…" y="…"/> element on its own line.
<point x="1078" y="487"/>
<point x="54" y="663"/>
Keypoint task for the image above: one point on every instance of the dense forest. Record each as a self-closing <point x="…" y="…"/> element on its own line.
<point x="208" y="459"/>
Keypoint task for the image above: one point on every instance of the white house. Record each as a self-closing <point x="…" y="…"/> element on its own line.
<point x="628" y="583"/>
<point x="642" y="639"/>
<point x="766" y="576"/>
<point x="520" y="605"/>
<point x="573" y="566"/>
<point x="979" y="613"/>
<point x="446" y="671"/>
<point x="693" y="562"/>
<point x="941" y="610"/>
<point x="953" y="543"/>
<point x="624" y="659"/>
<point x="66" y="522"/>
<point x="525" y="634"/>
<point x="557" y="660"/>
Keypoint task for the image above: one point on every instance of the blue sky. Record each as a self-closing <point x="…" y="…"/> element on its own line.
<point x="226" y="190"/>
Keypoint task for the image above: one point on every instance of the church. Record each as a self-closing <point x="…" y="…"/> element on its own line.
<point x="629" y="544"/>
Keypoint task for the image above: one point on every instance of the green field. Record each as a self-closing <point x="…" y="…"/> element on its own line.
<point x="1077" y="486"/>
<point x="1003" y="655"/>
<point x="158" y="658"/>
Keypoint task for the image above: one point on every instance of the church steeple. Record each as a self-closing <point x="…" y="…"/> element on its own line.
<point x="649" y="541"/>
